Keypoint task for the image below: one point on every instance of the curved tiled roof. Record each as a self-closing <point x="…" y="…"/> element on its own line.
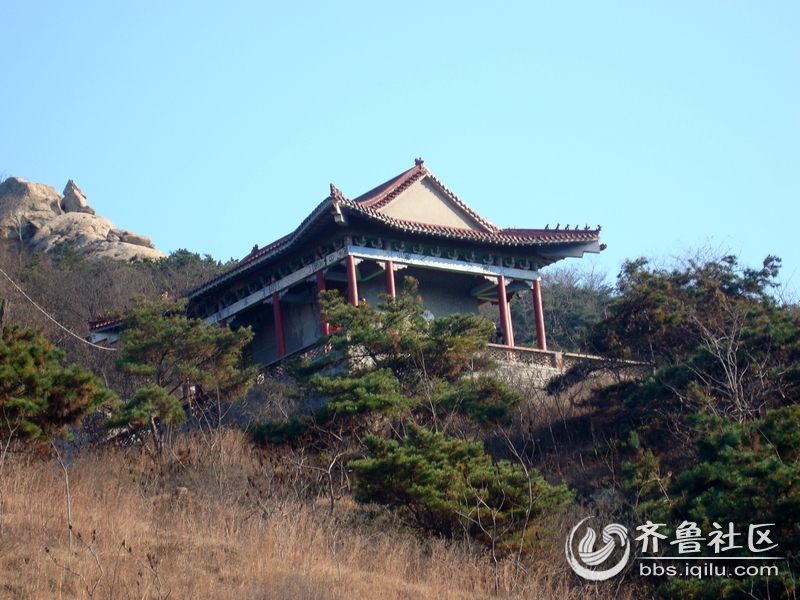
<point x="496" y="235"/>
<point x="104" y="322"/>
<point x="368" y="205"/>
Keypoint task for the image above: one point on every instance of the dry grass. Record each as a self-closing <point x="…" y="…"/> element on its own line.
<point x="199" y="528"/>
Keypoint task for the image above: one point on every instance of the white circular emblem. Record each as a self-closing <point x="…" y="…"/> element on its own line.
<point x="591" y="557"/>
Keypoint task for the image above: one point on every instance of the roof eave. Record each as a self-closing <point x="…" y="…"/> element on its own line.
<point x="246" y="265"/>
<point x="576" y="250"/>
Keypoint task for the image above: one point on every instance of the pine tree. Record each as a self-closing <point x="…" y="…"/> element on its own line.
<point x="38" y="397"/>
<point x="450" y="485"/>
<point x="403" y="364"/>
<point x="169" y="354"/>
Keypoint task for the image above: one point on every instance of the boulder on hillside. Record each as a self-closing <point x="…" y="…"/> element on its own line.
<point x="123" y="251"/>
<point x="25" y="207"/>
<point x="40" y="219"/>
<point x="75" y="200"/>
<point x="79" y="229"/>
<point x="122" y="235"/>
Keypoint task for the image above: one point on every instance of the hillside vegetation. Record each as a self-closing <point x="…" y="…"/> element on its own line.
<point x="420" y="471"/>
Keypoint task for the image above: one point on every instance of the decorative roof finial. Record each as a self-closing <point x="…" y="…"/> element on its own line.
<point x="335" y="193"/>
<point x="418" y="162"/>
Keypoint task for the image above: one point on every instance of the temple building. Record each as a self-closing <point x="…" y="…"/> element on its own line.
<point x="410" y="225"/>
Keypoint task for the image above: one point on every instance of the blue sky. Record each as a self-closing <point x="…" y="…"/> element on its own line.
<point x="213" y="127"/>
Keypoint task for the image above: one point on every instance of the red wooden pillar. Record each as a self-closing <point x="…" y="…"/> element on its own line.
<point x="352" y="284"/>
<point x="505" y="313"/>
<point x="278" y="314"/>
<point x="325" y="328"/>
<point x="510" y="324"/>
<point x="390" y="279"/>
<point x="538" y="314"/>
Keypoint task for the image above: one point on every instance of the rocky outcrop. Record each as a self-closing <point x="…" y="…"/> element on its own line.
<point x="25" y="207"/>
<point x="39" y="218"/>
<point x="122" y="235"/>
<point x="74" y="199"/>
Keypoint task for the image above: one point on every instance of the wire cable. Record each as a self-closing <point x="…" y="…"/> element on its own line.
<point x="44" y="312"/>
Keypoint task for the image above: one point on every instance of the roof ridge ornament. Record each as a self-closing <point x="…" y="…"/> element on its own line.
<point x="336" y="193"/>
<point x="418" y="162"/>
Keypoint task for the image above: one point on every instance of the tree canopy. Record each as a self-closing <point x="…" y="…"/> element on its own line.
<point x="718" y="338"/>
<point x="174" y="357"/>
<point x="38" y="397"/>
<point x="711" y="436"/>
<point x="451" y="485"/>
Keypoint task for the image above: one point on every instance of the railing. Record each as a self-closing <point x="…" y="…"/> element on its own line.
<point x="518" y="355"/>
<point x="277" y="368"/>
<point x="525" y="356"/>
<point x="557" y="360"/>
